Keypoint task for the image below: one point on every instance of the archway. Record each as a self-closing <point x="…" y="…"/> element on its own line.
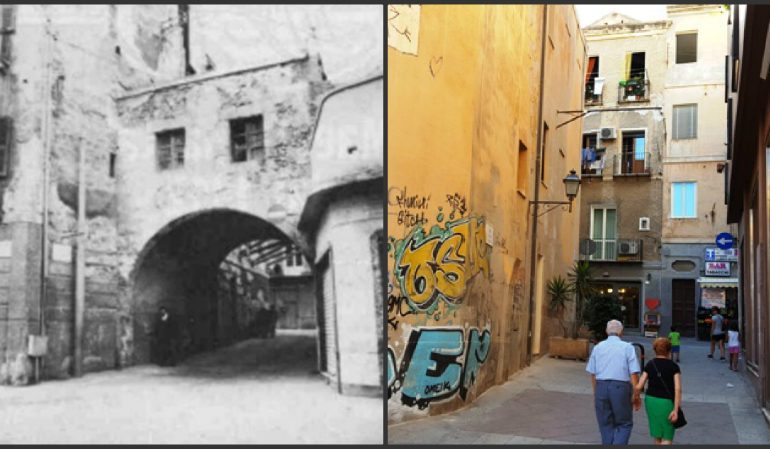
<point x="180" y="268"/>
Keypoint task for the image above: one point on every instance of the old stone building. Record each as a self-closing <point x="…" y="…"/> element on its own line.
<point x="343" y="218"/>
<point x="475" y="133"/>
<point x="188" y="150"/>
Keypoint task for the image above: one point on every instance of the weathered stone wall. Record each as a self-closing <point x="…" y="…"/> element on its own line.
<point x="462" y="142"/>
<point x="273" y="188"/>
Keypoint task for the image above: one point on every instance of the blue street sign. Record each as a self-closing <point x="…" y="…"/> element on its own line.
<point x="725" y="240"/>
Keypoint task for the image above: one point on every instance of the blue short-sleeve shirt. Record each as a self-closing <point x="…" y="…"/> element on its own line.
<point x="613" y="359"/>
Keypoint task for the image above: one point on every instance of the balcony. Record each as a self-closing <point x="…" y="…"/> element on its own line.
<point x="636" y="89"/>
<point x="632" y="163"/>
<point x="612" y="250"/>
<point x="596" y="167"/>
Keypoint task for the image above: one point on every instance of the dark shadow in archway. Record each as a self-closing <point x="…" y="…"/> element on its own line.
<point x="180" y="269"/>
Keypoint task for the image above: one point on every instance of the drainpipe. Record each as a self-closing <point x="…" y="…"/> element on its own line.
<point x="46" y="188"/>
<point x="80" y="263"/>
<point x="538" y="159"/>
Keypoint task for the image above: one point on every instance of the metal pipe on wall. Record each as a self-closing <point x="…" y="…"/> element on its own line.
<point x="80" y="263"/>
<point x="538" y="159"/>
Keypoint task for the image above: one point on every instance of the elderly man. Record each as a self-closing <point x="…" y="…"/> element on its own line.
<point x="614" y="371"/>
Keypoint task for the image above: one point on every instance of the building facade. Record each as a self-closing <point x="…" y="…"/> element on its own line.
<point x="475" y="135"/>
<point x="748" y="116"/>
<point x="693" y="190"/>
<point x="652" y="197"/>
<point x="624" y="136"/>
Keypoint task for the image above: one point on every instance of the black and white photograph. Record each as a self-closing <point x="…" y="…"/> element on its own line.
<point x="192" y="246"/>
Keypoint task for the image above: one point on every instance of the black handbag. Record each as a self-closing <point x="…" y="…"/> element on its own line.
<point x="680" y="421"/>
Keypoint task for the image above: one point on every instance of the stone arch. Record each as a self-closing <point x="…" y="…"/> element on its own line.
<point x="178" y="268"/>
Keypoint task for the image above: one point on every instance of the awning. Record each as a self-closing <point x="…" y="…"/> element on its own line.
<point x="718" y="282"/>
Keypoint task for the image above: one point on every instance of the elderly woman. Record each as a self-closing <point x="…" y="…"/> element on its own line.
<point x="664" y="392"/>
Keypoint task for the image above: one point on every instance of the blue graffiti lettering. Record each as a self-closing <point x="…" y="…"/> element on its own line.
<point x="430" y="360"/>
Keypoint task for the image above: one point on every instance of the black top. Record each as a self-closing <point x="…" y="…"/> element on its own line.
<point x="667" y="370"/>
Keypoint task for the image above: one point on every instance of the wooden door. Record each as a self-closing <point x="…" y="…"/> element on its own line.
<point x="683" y="306"/>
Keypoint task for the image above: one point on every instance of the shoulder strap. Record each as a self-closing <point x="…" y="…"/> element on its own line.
<point x="660" y="377"/>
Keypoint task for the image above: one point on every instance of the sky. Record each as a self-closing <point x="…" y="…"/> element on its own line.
<point x="588" y="14"/>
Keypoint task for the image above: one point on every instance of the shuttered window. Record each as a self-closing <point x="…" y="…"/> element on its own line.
<point x="170" y="148"/>
<point x="685" y="124"/>
<point x="686" y="48"/>
<point x="327" y="318"/>
<point x="6" y="140"/>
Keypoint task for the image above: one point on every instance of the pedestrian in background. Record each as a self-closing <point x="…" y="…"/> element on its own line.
<point x="675" y="337"/>
<point x="717" y="333"/>
<point x="733" y="345"/>
<point x="614" y="372"/>
<point x="664" y="392"/>
<point x="165" y="335"/>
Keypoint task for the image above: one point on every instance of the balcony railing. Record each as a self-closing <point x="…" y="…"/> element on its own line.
<point x="612" y="250"/>
<point x="595" y="167"/>
<point x="635" y="89"/>
<point x="632" y="163"/>
<point x="592" y="98"/>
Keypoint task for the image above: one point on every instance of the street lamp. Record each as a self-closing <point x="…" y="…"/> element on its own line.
<point x="571" y="187"/>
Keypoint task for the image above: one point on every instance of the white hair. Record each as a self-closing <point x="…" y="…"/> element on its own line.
<point x="614" y="327"/>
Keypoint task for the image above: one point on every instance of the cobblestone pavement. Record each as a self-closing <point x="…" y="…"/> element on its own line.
<point x="258" y="391"/>
<point x="551" y="402"/>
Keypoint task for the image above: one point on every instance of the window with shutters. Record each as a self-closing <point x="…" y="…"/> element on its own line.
<point x="170" y="148"/>
<point x="604" y="233"/>
<point x="6" y="140"/>
<point x="686" y="48"/>
<point x="247" y="138"/>
<point x="7" y="26"/>
<point x="685" y="124"/>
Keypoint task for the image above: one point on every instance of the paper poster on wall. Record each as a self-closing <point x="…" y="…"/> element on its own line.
<point x="711" y="297"/>
<point x="404" y="27"/>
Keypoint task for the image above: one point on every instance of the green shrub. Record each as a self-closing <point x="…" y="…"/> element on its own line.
<point x="598" y="310"/>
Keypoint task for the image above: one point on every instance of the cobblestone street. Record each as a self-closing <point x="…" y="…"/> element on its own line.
<point x="258" y="391"/>
<point x="551" y="403"/>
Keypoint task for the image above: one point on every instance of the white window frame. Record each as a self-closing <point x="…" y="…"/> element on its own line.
<point x="674" y="135"/>
<point x="695" y="200"/>
<point x="604" y="229"/>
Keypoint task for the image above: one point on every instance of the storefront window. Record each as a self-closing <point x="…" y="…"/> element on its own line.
<point x="629" y="294"/>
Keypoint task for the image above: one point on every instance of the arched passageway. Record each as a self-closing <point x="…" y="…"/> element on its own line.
<point x="180" y="268"/>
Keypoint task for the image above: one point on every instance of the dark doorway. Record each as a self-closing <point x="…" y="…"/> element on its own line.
<point x="683" y="306"/>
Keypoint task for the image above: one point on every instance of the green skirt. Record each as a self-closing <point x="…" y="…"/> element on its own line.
<point x="658" y="410"/>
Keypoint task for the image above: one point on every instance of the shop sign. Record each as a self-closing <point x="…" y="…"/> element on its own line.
<point x="717" y="268"/>
<point x="721" y="255"/>
<point x="711" y="297"/>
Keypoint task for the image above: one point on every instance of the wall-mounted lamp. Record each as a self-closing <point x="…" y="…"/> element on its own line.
<point x="571" y="188"/>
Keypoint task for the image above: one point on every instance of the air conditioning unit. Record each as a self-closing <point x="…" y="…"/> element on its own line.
<point x="608" y="133"/>
<point x="628" y="247"/>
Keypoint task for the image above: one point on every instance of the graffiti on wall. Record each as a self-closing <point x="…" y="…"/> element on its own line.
<point x="411" y="208"/>
<point x="437" y="265"/>
<point x="437" y="364"/>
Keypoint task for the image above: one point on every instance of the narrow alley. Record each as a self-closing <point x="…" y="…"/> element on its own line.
<point x="257" y="391"/>
<point x="551" y="402"/>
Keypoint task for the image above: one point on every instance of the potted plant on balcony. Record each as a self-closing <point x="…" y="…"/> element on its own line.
<point x="578" y="286"/>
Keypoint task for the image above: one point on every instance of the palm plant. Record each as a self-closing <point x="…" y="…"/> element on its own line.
<point x="560" y="292"/>
<point x="580" y="277"/>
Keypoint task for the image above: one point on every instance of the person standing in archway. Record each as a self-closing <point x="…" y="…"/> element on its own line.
<point x="165" y="332"/>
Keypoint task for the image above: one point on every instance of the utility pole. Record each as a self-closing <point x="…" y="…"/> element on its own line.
<point x="80" y="263"/>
